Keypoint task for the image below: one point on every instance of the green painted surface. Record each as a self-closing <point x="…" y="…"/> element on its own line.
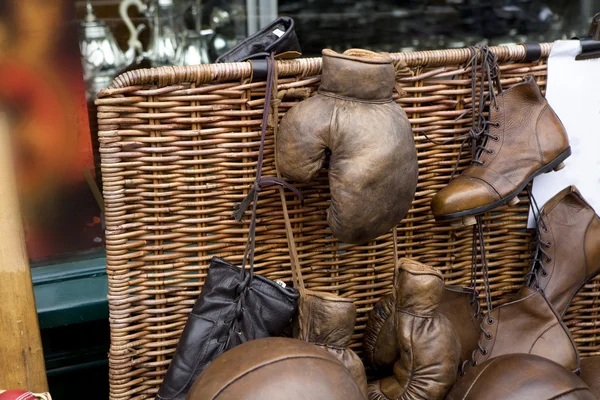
<point x="71" y="292"/>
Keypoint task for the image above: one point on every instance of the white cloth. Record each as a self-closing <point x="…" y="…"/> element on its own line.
<point x="573" y="91"/>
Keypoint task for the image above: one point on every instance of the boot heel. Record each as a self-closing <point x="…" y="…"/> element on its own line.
<point x="559" y="166"/>
<point x="464" y="221"/>
<point x="514" y="201"/>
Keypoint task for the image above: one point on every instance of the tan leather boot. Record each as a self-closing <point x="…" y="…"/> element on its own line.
<point x="525" y="139"/>
<point x="568" y="253"/>
<point x="461" y="306"/>
<point x="526" y="325"/>
<point x="590" y="373"/>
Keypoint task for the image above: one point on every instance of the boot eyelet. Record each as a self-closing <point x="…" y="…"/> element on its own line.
<point x="497" y="125"/>
<point x="490" y="151"/>
<point x="544" y="273"/>
<point x="496" y="138"/>
<point x="488" y="335"/>
<point x="484" y="352"/>
<point x="548" y="244"/>
<point x="474" y="363"/>
<point x="549" y="260"/>
<point x="490" y="321"/>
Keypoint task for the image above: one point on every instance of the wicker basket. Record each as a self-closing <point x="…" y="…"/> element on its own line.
<point x="179" y="148"/>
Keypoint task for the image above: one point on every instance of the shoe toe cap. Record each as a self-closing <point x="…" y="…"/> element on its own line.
<point x="462" y="194"/>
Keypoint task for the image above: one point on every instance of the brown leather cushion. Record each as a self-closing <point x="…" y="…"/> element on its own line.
<point x="520" y="377"/>
<point x="590" y="373"/>
<point x="274" y="369"/>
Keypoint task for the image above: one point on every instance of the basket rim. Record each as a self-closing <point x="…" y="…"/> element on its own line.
<point x="214" y="73"/>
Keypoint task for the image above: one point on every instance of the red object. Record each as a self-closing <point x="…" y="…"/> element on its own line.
<point x="17" y="394"/>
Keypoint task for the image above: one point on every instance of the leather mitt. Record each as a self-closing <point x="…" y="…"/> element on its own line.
<point x="458" y="305"/>
<point x="427" y="342"/>
<point x="228" y="312"/>
<point x="373" y="165"/>
<point x="328" y="321"/>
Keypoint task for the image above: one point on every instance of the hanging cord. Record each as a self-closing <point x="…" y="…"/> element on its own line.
<point x="252" y="198"/>
<point x="484" y="268"/>
<point x="473" y="283"/>
<point x="396" y="269"/>
<point x="539" y="253"/>
<point x="488" y="71"/>
<point x="297" y="278"/>
<point x="478" y="232"/>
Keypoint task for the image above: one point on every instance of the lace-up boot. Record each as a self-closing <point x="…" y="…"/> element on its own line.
<point x="522" y="139"/>
<point x="461" y="306"/>
<point x="526" y="325"/>
<point x="568" y="248"/>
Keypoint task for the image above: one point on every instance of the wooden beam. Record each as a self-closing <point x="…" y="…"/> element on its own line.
<point x="21" y="354"/>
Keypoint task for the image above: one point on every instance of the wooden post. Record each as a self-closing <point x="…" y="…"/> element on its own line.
<point x="21" y="354"/>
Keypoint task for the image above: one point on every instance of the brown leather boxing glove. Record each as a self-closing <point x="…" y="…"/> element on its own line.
<point x="328" y="321"/>
<point x="373" y="166"/>
<point x="458" y="304"/>
<point x="429" y="346"/>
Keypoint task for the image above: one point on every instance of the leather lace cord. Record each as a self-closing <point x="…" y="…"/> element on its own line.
<point x="539" y="252"/>
<point x="259" y="182"/>
<point x="297" y="278"/>
<point x="488" y="71"/>
<point x="252" y="198"/>
<point x="479" y="247"/>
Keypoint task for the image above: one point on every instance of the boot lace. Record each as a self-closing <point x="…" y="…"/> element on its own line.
<point x="484" y="64"/>
<point x="540" y="254"/>
<point x="479" y="247"/>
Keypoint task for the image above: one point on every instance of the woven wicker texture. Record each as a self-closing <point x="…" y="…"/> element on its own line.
<point x="179" y="148"/>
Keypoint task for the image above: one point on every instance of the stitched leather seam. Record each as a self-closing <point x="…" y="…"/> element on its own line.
<point x="537" y="137"/>
<point x="275" y="362"/>
<point x="329" y="145"/>
<point x="540" y="336"/>
<point x="415" y="315"/>
<point x="329" y="346"/>
<point x="412" y="361"/>
<point x="562" y="395"/>
<point x="487" y="186"/>
<point x="501" y="175"/>
<point x="337" y="96"/>
<point x="585" y="256"/>
<point x="478" y="376"/>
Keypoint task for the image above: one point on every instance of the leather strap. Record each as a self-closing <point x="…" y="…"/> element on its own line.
<point x="259" y="70"/>
<point x="252" y="196"/>
<point x="297" y="278"/>
<point x="533" y="52"/>
<point x="396" y="265"/>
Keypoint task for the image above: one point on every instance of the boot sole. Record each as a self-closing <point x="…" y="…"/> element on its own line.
<point x="467" y="217"/>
